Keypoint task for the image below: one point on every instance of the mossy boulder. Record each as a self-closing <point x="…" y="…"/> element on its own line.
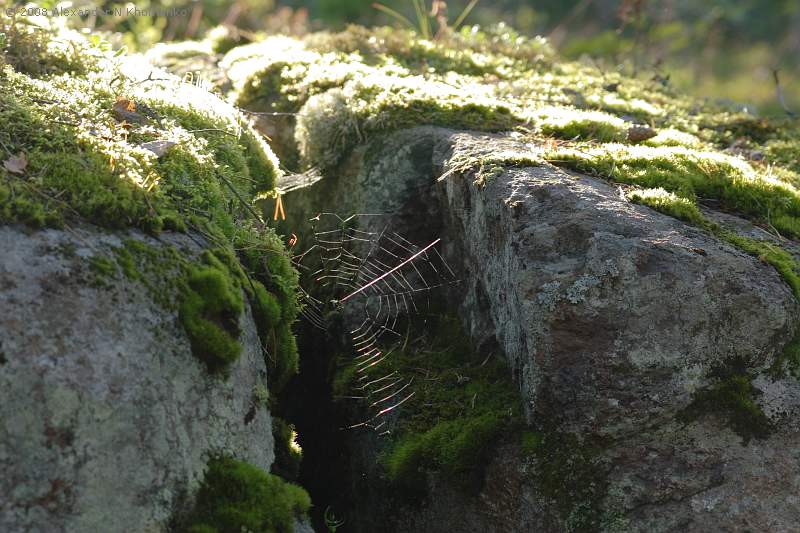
<point x="613" y="318"/>
<point x="142" y="293"/>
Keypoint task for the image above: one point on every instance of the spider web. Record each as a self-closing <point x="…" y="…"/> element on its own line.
<point x="379" y="280"/>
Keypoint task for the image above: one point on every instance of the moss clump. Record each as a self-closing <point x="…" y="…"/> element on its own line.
<point x="283" y="361"/>
<point x="209" y="312"/>
<point x="669" y="204"/>
<point x="454" y="447"/>
<point x="333" y="122"/>
<point x="461" y="408"/>
<point x="733" y="399"/>
<point x="692" y="174"/>
<point x="102" y="266"/>
<point x="574" y="124"/>
<point x="46" y="49"/>
<point x="236" y="496"/>
<point x="266" y="309"/>
<point x="771" y="253"/>
<point x="85" y="138"/>
<point x="288" y="454"/>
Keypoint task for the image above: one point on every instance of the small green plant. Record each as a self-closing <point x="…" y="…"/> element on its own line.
<point x="331" y="522"/>
<point x="424" y="16"/>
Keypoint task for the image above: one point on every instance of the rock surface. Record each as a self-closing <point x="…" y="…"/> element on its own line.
<point x="612" y="317"/>
<point x="107" y="417"/>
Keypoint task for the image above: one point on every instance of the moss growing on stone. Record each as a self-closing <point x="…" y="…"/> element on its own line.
<point x="209" y="312"/>
<point x="574" y="124"/>
<point x="733" y="399"/>
<point x="88" y="142"/>
<point x="288" y="454"/>
<point x="462" y="406"/>
<point x="453" y="447"/>
<point x="669" y="204"/>
<point x="236" y="496"/>
<point x="283" y="359"/>
<point x="691" y="174"/>
<point x="102" y="266"/>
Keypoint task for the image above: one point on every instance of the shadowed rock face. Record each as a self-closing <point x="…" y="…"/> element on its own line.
<point x="107" y="418"/>
<point x="612" y="317"/>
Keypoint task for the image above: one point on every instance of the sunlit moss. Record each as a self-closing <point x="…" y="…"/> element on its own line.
<point x="568" y="123"/>
<point x="668" y="203"/>
<point x="87" y="145"/>
<point x="690" y="174"/>
<point x="333" y="122"/>
<point x="673" y="137"/>
<point x="288" y="454"/>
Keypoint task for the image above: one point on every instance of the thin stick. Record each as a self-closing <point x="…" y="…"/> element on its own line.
<point x="431" y="245"/>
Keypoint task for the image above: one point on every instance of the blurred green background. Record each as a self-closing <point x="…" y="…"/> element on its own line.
<point x="723" y="49"/>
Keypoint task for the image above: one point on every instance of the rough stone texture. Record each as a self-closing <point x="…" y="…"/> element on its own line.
<point x="106" y="418"/>
<point x="611" y="316"/>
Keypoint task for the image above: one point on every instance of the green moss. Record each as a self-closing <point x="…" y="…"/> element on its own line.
<point x="44" y="50"/>
<point x="692" y="174"/>
<point x="236" y="496"/>
<point x="461" y="407"/>
<point x="344" y="380"/>
<point x="531" y="440"/>
<point x="288" y="454"/>
<point x="333" y="122"/>
<point x="786" y="152"/>
<point x="669" y="204"/>
<point x="88" y="167"/>
<point x="126" y="261"/>
<point x="770" y="253"/>
<point x="102" y="266"/>
<point x="283" y="359"/>
<point x="266" y="309"/>
<point x="453" y="447"/>
<point x="573" y="124"/>
<point x="209" y="311"/>
<point x="733" y="399"/>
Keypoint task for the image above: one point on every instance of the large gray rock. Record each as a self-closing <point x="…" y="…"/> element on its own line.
<point x="611" y="315"/>
<point x="106" y="418"/>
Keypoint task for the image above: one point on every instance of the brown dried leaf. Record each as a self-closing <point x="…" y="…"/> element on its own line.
<point x="124" y="110"/>
<point x="16" y="164"/>
<point x="124" y="105"/>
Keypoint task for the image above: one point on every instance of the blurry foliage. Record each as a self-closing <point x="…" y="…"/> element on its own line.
<point x="722" y="48"/>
